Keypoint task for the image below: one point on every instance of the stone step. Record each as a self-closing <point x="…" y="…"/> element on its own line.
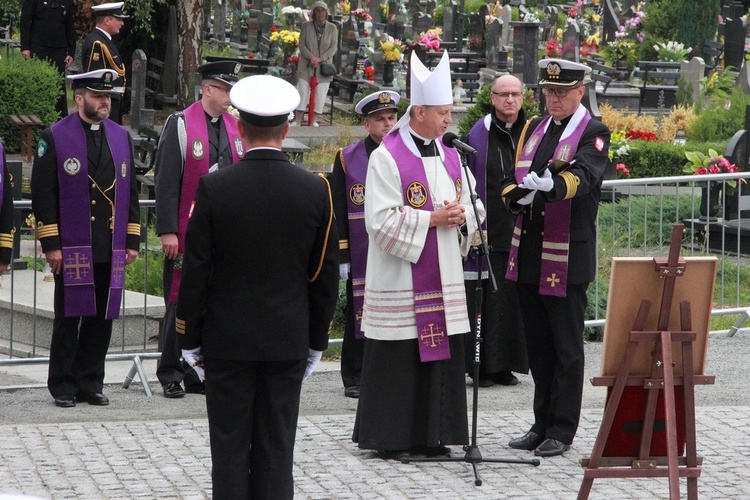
<point x="29" y="322"/>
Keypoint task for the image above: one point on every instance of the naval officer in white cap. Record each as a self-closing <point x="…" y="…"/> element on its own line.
<point x="553" y="250"/>
<point x="258" y="291"/>
<point x="417" y="214"/>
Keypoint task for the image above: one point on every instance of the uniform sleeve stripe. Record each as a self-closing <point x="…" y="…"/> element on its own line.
<point x="328" y="230"/>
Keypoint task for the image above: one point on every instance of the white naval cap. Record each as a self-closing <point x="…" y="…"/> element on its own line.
<point x="561" y="72"/>
<point x="109" y="9"/>
<point x="99" y="80"/>
<point x="264" y="100"/>
<point x="376" y="101"/>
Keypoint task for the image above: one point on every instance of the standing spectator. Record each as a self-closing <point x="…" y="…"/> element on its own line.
<point x="418" y="216"/>
<point x="348" y="187"/>
<point x="48" y="32"/>
<point x="318" y="42"/>
<point x="201" y="139"/>
<point x="6" y="214"/>
<point x="100" y="52"/>
<point x="85" y="200"/>
<point x="503" y="347"/>
<point x="553" y="252"/>
<point x="258" y="292"/>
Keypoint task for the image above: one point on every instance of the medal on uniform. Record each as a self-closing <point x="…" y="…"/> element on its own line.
<point x="72" y="166"/>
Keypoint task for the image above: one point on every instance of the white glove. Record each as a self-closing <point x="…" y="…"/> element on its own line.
<point x="313" y="358"/>
<point x="193" y="358"/>
<point x="526" y="200"/>
<point x="543" y="183"/>
<point x="344" y="271"/>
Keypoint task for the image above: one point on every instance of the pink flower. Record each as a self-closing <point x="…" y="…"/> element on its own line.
<point x="714" y="169"/>
<point x="701" y="171"/>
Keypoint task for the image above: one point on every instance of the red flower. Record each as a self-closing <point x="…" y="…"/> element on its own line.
<point x="642" y="135"/>
<point x="622" y="170"/>
<point x="251" y="56"/>
<point x="370" y="72"/>
<point x="274" y="28"/>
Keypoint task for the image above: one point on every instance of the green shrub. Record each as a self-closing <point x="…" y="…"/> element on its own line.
<point x="482" y="106"/>
<point x="27" y="87"/>
<point x="135" y="274"/>
<point x="662" y="159"/>
<point x="716" y="123"/>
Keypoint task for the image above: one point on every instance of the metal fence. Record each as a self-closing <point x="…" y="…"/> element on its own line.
<point x="635" y="218"/>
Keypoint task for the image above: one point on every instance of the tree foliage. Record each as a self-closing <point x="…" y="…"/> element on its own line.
<point x="697" y="21"/>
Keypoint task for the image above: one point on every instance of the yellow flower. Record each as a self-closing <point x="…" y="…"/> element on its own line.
<point x="559" y="33"/>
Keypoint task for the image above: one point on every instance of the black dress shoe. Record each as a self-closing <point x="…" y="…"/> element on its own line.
<point x="352" y="391"/>
<point x="392" y="454"/>
<point x="199" y="388"/>
<point x="65" y="401"/>
<point x="505" y="378"/>
<point x="173" y="390"/>
<point x="551" y="448"/>
<point x="528" y="441"/>
<point x="93" y="398"/>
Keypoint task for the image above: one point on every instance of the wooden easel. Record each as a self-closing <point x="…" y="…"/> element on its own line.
<point x="661" y="378"/>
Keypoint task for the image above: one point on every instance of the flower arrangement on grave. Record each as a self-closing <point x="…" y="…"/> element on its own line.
<point x="430" y="39"/>
<point x="618" y="145"/>
<point x="622" y="171"/>
<point x="392" y="50"/>
<point x="553" y="49"/>
<point x="288" y="41"/>
<point x="343" y="7"/>
<point x="700" y="163"/>
<point x="361" y="15"/>
<point x="369" y="70"/>
<point x="671" y="51"/>
<point x="384" y="10"/>
<point x="291" y="15"/>
<point x="641" y="135"/>
<point x="627" y="38"/>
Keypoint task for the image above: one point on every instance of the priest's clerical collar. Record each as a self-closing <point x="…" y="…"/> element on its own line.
<point x="90" y="126"/>
<point x="214" y="120"/>
<point x="95" y="126"/>
<point x="418" y="138"/>
<point x="564" y="121"/>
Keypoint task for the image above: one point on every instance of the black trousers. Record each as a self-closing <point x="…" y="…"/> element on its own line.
<point x="79" y="344"/>
<point x="171" y="367"/>
<point x="352" y="349"/>
<point x="252" y="422"/>
<point x="554" y="341"/>
<point x="57" y="56"/>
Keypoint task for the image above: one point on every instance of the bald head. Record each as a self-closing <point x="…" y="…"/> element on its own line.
<point x="507" y="98"/>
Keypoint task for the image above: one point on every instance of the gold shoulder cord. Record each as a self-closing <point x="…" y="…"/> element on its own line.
<point x="119" y="69"/>
<point x="522" y="138"/>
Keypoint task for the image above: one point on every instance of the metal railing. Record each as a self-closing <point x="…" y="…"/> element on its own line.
<point x="635" y="219"/>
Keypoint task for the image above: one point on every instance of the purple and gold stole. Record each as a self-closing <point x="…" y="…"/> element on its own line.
<point x="196" y="156"/>
<point x="429" y="308"/>
<point x="354" y="160"/>
<point x="75" y="215"/>
<point x="553" y="278"/>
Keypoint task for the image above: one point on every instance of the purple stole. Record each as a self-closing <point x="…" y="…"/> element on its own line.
<point x="553" y="278"/>
<point x="196" y="156"/>
<point x="429" y="309"/>
<point x="2" y="172"/>
<point x="75" y="215"/>
<point x="479" y="138"/>
<point x="354" y="160"/>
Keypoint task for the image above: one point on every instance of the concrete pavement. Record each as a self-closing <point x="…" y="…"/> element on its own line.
<point x="141" y="447"/>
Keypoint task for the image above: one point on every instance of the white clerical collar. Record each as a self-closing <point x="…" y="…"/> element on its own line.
<point x="95" y="126"/>
<point x="214" y="120"/>
<point x="558" y="123"/>
<point x="426" y="141"/>
<point x="105" y="33"/>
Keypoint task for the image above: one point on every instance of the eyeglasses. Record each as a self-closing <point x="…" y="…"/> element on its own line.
<point x="559" y="93"/>
<point x="505" y="95"/>
<point x="226" y="90"/>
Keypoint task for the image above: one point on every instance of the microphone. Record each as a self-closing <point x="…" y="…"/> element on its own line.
<point x="450" y="140"/>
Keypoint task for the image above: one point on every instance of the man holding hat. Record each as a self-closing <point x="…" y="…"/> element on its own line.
<point x="257" y="296"/>
<point x="85" y="201"/>
<point x="202" y="138"/>
<point x="348" y="186"/>
<point x="418" y="214"/>
<point x="100" y="52"/>
<point x="560" y="164"/>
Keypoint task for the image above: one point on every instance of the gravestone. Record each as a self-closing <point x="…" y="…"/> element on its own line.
<point x="476" y="32"/>
<point x="139" y="115"/>
<point x="743" y="79"/>
<point x="692" y="71"/>
<point x="610" y="22"/>
<point x="734" y="43"/>
<point x="506" y="16"/>
<point x="738" y="152"/>
<point x="421" y="22"/>
<point x="449" y="21"/>
<point x="571" y="44"/>
<point x="430" y="7"/>
<point x="348" y="47"/>
<point x="492" y="43"/>
<point x="253" y="29"/>
<point x="525" y="53"/>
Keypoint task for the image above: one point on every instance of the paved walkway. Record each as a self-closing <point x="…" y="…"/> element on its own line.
<point x="141" y="447"/>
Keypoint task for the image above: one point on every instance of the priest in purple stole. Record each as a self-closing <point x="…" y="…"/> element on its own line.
<point x="6" y="214"/>
<point x="85" y="200"/>
<point x="348" y="189"/>
<point x="418" y="214"/>
<point x="560" y="163"/>
<point x="202" y="138"/>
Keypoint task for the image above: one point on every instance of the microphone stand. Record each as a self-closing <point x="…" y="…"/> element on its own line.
<point x="472" y="454"/>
